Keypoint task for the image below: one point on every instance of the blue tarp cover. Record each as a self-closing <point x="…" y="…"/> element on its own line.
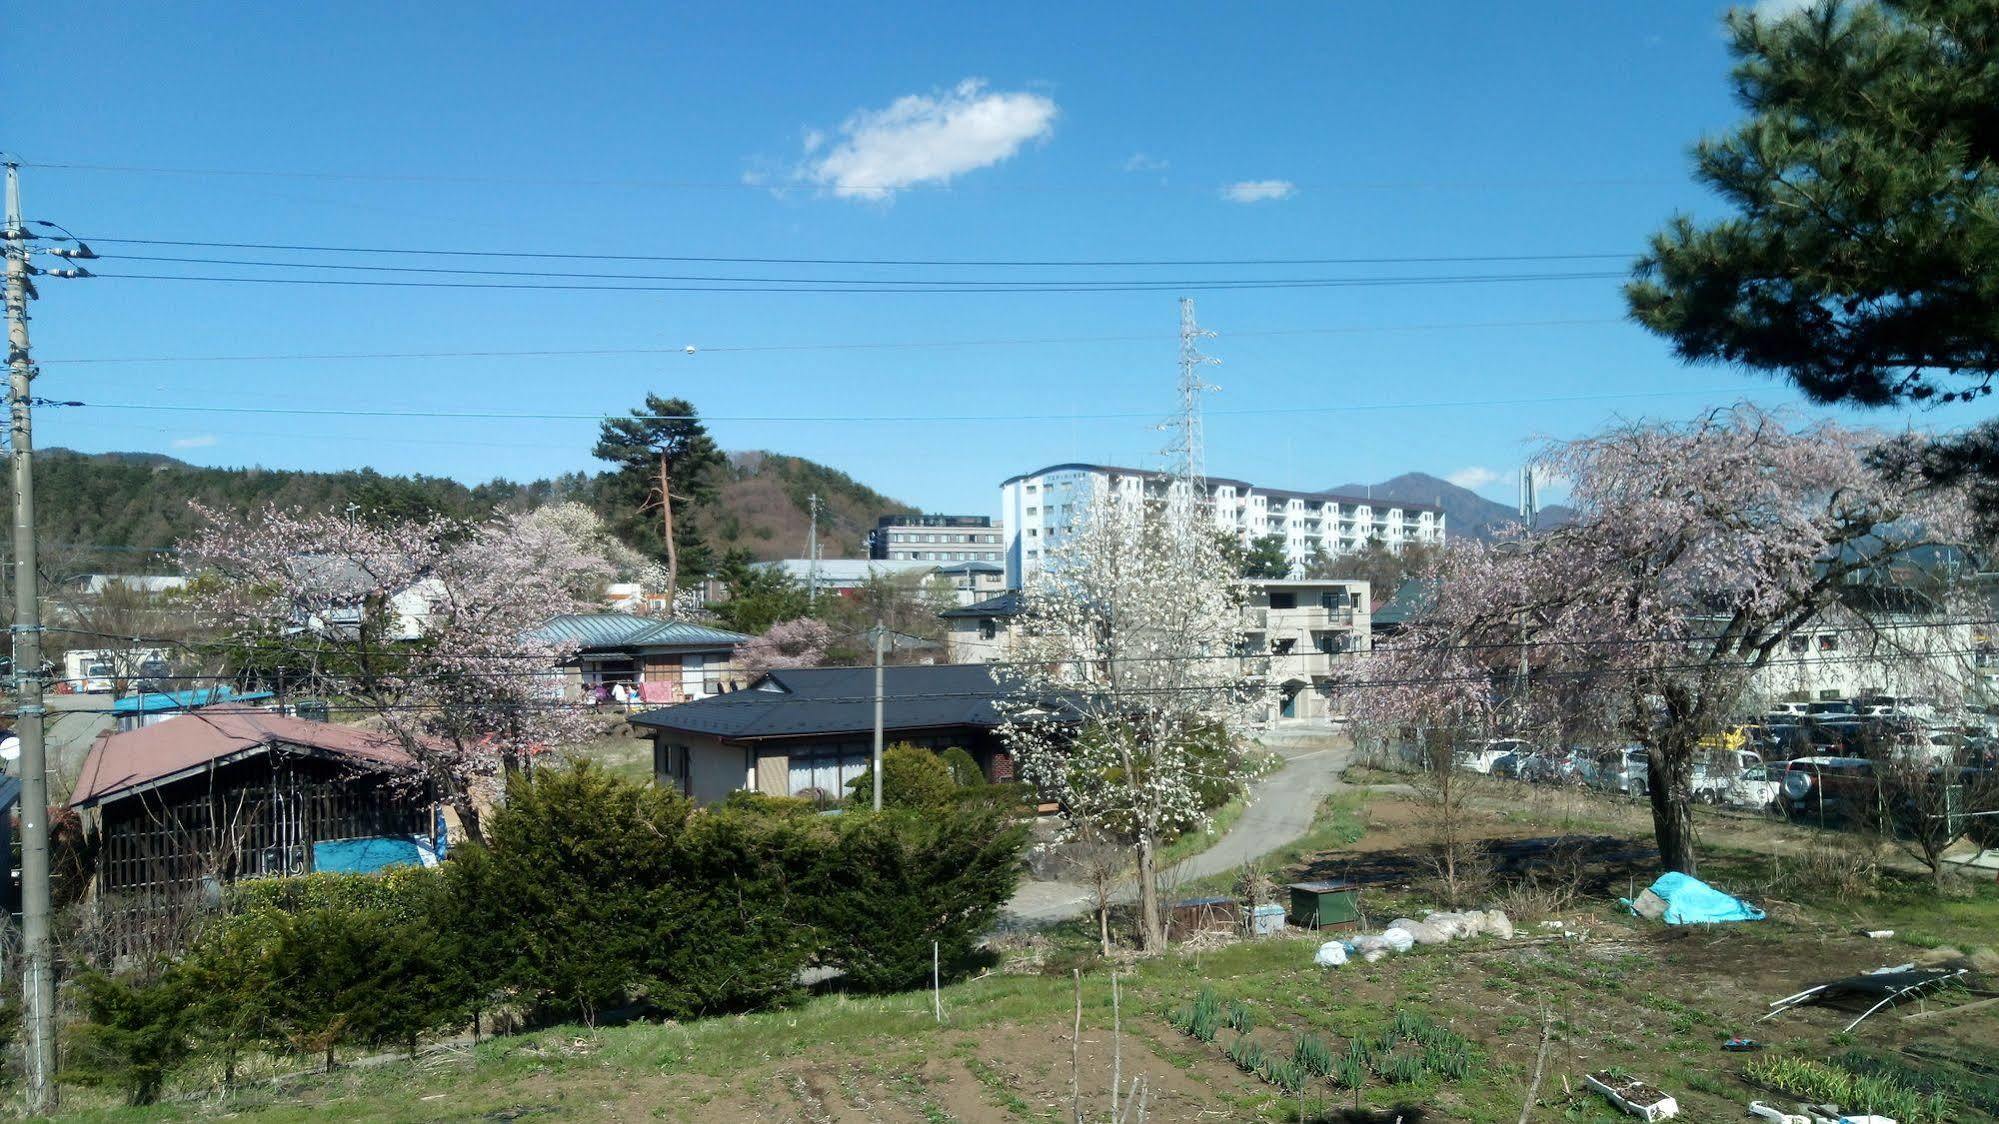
<point x="1690" y="901"/>
<point x="360" y="856"/>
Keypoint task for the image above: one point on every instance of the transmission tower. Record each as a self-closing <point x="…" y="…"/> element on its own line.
<point x="1185" y="454"/>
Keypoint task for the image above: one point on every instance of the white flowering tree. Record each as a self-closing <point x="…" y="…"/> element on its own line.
<point x="424" y="628"/>
<point x="1128" y="684"/>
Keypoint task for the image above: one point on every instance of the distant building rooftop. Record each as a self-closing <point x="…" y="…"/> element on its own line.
<point x="589" y="631"/>
<point x="1225" y="481"/>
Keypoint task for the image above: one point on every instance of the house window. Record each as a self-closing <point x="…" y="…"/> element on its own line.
<point x="825" y="770"/>
<point x="1797" y="645"/>
<point x="1828" y="643"/>
<point x="988" y="628"/>
<point x="1282" y="647"/>
<point x="1284" y="600"/>
<point x="1333" y="599"/>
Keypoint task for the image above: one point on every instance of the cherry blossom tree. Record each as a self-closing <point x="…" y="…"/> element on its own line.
<point x="1129" y="690"/>
<point x="425" y="628"/>
<point x="794" y="643"/>
<point x="1697" y="553"/>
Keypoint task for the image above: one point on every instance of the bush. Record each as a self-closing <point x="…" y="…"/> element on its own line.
<point x="965" y="771"/>
<point x="356" y="976"/>
<point x="900" y="880"/>
<point x="564" y="904"/>
<point x="728" y="931"/>
<point x="139" y="1028"/>
<point x="912" y="777"/>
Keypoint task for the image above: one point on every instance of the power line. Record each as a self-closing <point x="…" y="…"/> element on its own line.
<point x="1091" y="263"/>
<point x="497" y="415"/>
<point x="998" y="285"/>
<point x="903" y="345"/>
<point x="905" y="289"/>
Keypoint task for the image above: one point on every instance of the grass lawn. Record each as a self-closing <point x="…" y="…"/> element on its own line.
<point x="1652" y="1001"/>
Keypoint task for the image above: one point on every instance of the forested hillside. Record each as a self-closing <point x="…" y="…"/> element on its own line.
<point x="127" y="505"/>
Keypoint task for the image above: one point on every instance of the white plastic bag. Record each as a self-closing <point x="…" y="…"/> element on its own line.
<point x="1498" y="924"/>
<point x="1332" y="954"/>
<point x="1398" y="939"/>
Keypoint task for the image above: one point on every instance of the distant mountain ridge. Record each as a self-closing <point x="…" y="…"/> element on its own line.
<point x="127" y="509"/>
<point x="1465" y="511"/>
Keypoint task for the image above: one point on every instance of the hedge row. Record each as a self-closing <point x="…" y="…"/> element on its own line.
<point x="592" y="894"/>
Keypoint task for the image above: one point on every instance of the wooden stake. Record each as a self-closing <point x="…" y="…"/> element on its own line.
<point x="1117" y="1047"/>
<point x="1076" y="1053"/>
<point x="936" y="990"/>
<point x="1540" y="1066"/>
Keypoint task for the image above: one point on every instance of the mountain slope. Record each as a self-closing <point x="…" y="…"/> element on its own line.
<point x="765" y="507"/>
<point x="1465" y="511"/>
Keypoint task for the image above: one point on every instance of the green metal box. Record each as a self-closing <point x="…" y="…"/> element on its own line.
<point x="1325" y="905"/>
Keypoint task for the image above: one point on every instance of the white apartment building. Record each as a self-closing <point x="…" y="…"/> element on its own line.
<point x="1039" y="508"/>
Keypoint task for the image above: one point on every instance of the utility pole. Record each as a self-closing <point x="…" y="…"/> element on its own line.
<point x="881" y="634"/>
<point x="1530" y="506"/>
<point x="38" y="971"/>
<point x="812" y="553"/>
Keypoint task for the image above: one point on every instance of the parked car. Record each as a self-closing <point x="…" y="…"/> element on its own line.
<point x="1755" y="787"/>
<point x="1791" y="710"/>
<point x="1480" y="757"/>
<point x="1508" y="765"/>
<point x="1628" y="772"/>
<point x="1831" y="708"/>
<point x="1829" y="787"/>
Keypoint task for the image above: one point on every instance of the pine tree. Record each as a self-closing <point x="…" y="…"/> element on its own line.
<point x="666" y="463"/>
<point x="1862" y="260"/>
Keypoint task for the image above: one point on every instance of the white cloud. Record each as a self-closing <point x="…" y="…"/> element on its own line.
<point x="1258" y="191"/>
<point x="1474" y="477"/>
<point x="926" y="138"/>
<point x="1140" y="162"/>
<point x="198" y="441"/>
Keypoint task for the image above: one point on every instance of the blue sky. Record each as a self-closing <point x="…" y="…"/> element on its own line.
<point x="922" y="131"/>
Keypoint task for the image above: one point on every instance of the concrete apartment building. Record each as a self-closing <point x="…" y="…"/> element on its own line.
<point x="1295" y="633"/>
<point x="1306" y="628"/>
<point x="1038" y="509"/>
<point x="937" y="538"/>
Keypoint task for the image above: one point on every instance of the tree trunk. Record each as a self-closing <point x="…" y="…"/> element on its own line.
<point x="468" y="815"/>
<point x="1104" y="926"/>
<point x="666" y="529"/>
<point x="1669" y="777"/>
<point x="1152" y="935"/>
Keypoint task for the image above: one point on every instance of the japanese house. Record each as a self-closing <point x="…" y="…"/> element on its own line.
<point x="662" y="662"/>
<point x="810" y="731"/>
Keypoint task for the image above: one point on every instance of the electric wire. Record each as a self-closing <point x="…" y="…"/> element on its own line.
<point x="906" y="345"/>
<point x="878" y="289"/>
<point x="1047" y="263"/>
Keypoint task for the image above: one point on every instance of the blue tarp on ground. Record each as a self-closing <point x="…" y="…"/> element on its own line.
<point x="1690" y="901"/>
<point x="362" y="856"/>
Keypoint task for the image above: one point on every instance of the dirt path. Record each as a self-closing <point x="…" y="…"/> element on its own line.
<point x="1280" y="810"/>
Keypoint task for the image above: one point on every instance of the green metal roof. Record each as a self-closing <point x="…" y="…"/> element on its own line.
<point x="623" y="630"/>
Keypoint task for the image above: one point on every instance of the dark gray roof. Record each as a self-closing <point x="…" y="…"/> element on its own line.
<point x="1409" y="602"/>
<point x="805" y="702"/>
<point x="590" y="631"/>
<point x="1008" y="604"/>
